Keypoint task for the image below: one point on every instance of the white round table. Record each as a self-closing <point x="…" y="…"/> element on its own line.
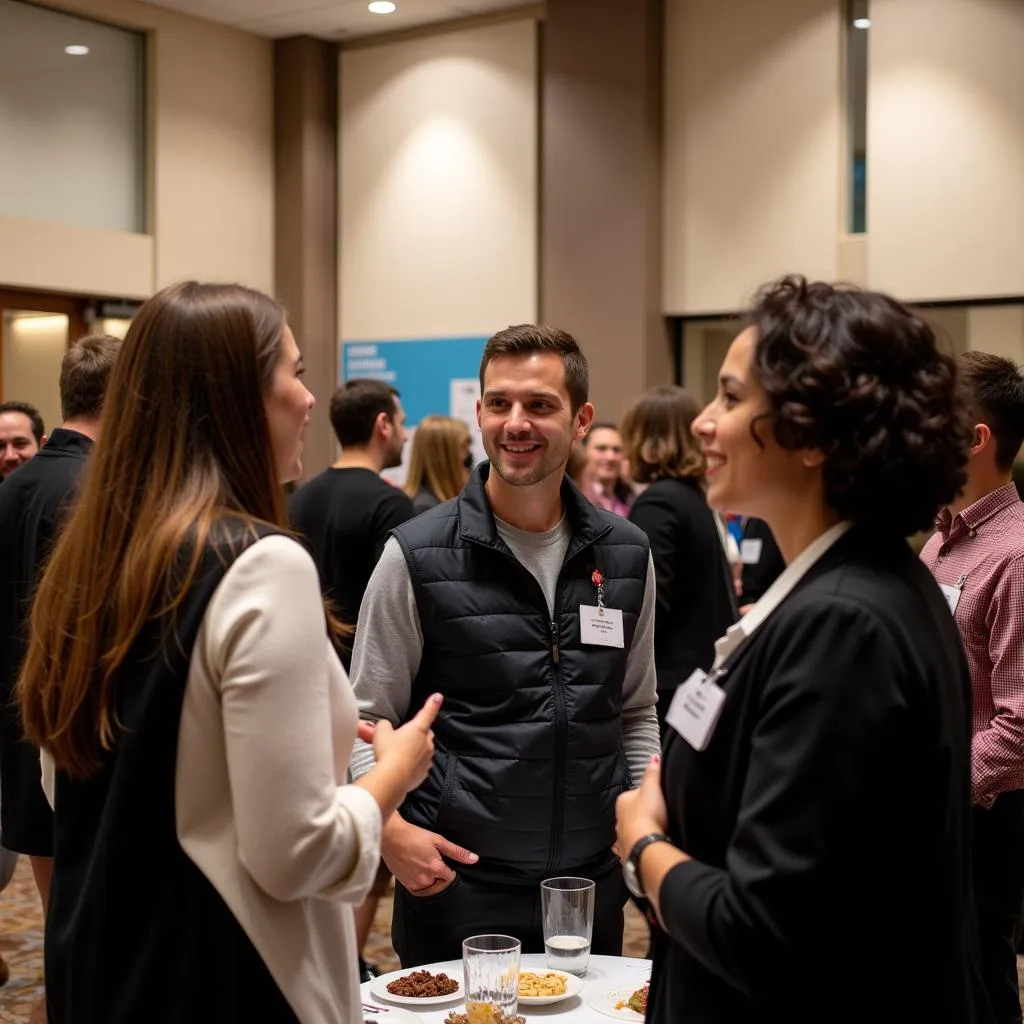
<point x="604" y="974"/>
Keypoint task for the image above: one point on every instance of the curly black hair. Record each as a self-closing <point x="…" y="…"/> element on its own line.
<point x="856" y="375"/>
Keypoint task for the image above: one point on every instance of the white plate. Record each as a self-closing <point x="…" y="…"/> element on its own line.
<point x="604" y="1002"/>
<point x="573" y="987"/>
<point x="379" y="988"/>
<point x="391" y="1015"/>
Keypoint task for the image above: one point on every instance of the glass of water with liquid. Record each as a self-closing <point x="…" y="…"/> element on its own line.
<point x="567" y="910"/>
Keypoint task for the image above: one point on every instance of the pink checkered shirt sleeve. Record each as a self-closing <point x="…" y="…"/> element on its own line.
<point x="998" y="751"/>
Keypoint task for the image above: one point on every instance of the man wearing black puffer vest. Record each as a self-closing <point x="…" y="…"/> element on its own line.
<point x="532" y="611"/>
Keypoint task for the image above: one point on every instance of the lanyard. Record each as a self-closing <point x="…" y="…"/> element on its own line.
<point x="737" y="634"/>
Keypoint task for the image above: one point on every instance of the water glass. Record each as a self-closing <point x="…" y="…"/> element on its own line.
<point x="490" y="965"/>
<point x="567" y="908"/>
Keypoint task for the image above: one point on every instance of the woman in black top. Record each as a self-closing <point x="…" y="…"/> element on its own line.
<point x="815" y="789"/>
<point x="695" y="603"/>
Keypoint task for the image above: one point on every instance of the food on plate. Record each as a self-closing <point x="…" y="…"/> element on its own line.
<point x="482" y="1013"/>
<point x="637" y="1002"/>
<point x="548" y="984"/>
<point x="422" y="985"/>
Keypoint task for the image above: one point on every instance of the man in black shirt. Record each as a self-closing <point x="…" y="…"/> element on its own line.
<point x="346" y="513"/>
<point x="33" y="503"/>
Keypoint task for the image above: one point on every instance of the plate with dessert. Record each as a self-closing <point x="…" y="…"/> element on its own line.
<point x="626" y="1003"/>
<point x="417" y="988"/>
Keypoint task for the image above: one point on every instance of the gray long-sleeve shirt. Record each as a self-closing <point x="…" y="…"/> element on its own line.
<point x="389" y="644"/>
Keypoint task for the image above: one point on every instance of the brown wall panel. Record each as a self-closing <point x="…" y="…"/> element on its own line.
<point x="601" y="191"/>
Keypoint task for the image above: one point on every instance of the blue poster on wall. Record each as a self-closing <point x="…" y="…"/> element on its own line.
<point x="421" y="370"/>
<point x="432" y="375"/>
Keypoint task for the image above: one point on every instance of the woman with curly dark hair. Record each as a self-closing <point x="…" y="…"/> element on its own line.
<point x="804" y="847"/>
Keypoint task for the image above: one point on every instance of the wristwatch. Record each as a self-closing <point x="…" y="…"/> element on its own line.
<point x="631" y="866"/>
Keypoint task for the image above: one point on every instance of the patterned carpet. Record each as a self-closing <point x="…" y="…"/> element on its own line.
<point x="21" y="943"/>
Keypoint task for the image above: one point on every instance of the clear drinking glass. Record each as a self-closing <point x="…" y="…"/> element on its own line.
<point x="490" y="964"/>
<point x="567" y="908"/>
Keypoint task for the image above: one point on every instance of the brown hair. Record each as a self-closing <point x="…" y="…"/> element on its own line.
<point x="858" y="376"/>
<point x="437" y="461"/>
<point x="355" y="407"/>
<point x="185" y="443"/>
<point x="656" y="436"/>
<point x="994" y="391"/>
<point x="525" y="339"/>
<point x="84" y="375"/>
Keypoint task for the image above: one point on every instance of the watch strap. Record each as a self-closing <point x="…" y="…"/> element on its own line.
<point x="642" y="843"/>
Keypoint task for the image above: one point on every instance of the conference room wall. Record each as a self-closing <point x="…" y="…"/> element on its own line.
<point x="753" y="143"/>
<point x="946" y="148"/>
<point x="438" y="184"/>
<point x="211" y="180"/>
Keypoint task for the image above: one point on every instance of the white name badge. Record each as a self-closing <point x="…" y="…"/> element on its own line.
<point x="601" y="626"/>
<point x="695" y="709"/>
<point x="952" y="595"/>
<point x="750" y="551"/>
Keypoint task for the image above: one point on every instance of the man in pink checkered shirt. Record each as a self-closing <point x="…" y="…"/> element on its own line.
<point x="977" y="557"/>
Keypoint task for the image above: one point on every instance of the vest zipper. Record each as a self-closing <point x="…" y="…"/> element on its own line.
<point x="558" y="773"/>
<point x="561" y="718"/>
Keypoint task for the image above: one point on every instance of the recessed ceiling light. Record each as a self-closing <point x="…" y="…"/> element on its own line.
<point x="382" y="7"/>
<point x="862" y="23"/>
<point x="76" y="50"/>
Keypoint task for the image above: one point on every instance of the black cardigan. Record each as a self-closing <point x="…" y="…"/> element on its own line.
<point x="829" y="816"/>
<point x="695" y="596"/>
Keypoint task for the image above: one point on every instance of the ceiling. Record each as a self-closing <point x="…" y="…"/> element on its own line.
<point x="330" y="19"/>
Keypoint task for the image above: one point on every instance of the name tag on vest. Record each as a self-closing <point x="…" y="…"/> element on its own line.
<point x="601" y="626"/>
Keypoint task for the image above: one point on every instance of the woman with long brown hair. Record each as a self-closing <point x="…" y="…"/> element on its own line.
<point x="696" y="600"/>
<point x="440" y="462"/>
<point x="181" y="680"/>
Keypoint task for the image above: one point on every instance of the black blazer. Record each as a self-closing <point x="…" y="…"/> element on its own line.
<point x="829" y="816"/>
<point x="695" y="595"/>
<point x="760" y="575"/>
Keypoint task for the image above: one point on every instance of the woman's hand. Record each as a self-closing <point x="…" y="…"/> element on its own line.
<point x="640" y="811"/>
<point x="403" y="755"/>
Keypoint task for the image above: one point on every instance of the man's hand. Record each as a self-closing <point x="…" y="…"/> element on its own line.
<point x="414" y="856"/>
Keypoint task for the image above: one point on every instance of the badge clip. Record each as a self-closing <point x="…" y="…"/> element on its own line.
<point x="598" y="580"/>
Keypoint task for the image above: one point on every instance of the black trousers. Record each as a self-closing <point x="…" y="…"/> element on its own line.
<point x="999" y="898"/>
<point x="429" y="929"/>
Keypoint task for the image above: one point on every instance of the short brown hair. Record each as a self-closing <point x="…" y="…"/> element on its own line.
<point x="656" y="436"/>
<point x="994" y="391"/>
<point x="84" y="375"/>
<point x="525" y="339"/>
<point x="355" y="407"/>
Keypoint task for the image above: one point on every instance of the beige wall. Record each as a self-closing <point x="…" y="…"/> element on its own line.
<point x="212" y="190"/>
<point x="439" y="187"/>
<point x="946" y="148"/>
<point x="753" y="135"/>
<point x="33" y="348"/>
<point x="997" y="329"/>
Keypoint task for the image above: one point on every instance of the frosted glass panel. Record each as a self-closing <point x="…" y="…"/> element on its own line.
<point x="72" y="126"/>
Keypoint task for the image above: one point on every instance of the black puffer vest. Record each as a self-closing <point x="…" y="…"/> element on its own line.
<point x="529" y="741"/>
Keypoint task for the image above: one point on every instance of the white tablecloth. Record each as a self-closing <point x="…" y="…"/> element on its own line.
<point x="604" y="974"/>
